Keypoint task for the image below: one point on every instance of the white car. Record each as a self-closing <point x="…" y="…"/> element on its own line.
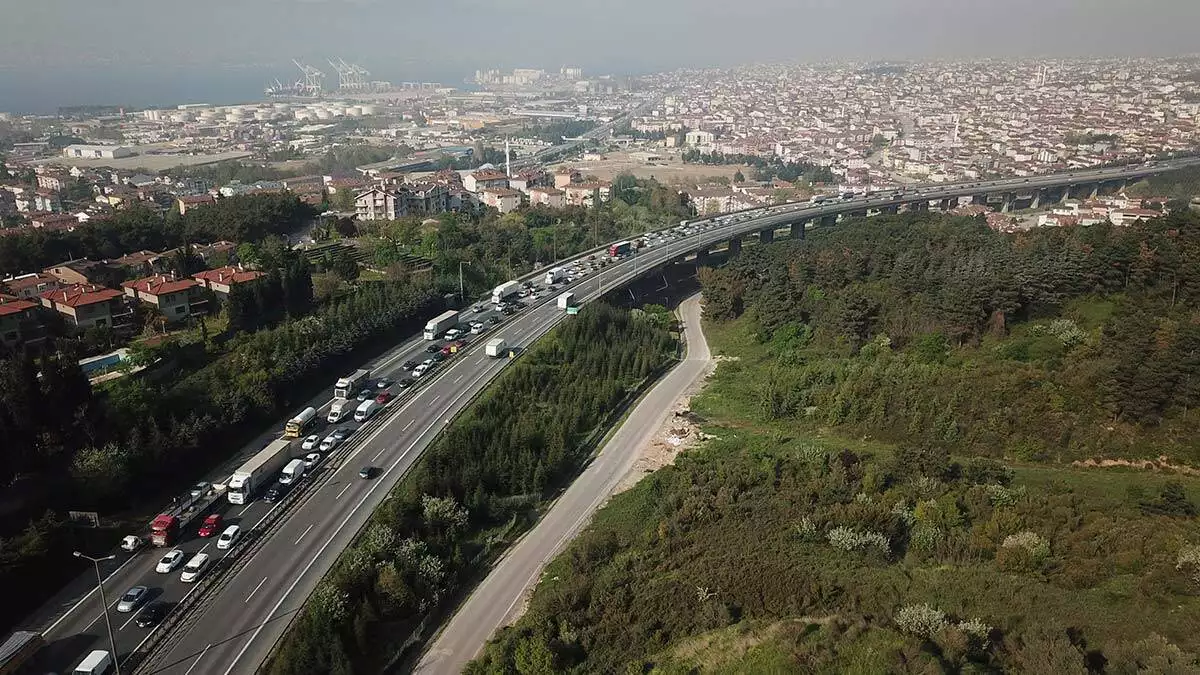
<point x="453" y="334"/>
<point x="310" y="442"/>
<point x="169" y="562"/>
<point x="131" y="543"/>
<point x="229" y="537"/>
<point x="312" y="458"/>
<point x="194" y="568"/>
<point x="329" y="443"/>
<point x="419" y="370"/>
<point x="476" y="327"/>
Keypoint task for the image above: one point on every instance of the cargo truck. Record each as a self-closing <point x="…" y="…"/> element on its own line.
<point x="292" y="472"/>
<point x="295" y="427"/>
<point x="619" y="249"/>
<point x="505" y="291"/>
<point x="496" y="348"/>
<point x="440" y="324"/>
<point x="339" y="409"/>
<point x="258" y="471"/>
<point x="555" y="275"/>
<point x="347" y="387"/>
<point x="566" y="301"/>
<point x="164" y="529"/>
<point x="18" y="649"/>
<point x="365" y="410"/>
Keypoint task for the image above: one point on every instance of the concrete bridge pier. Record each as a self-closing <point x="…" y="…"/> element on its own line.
<point x="1095" y="191"/>
<point x="1006" y="202"/>
<point x="828" y="220"/>
<point x="798" y="229"/>
<point x="891" y="208"/>
<point x="702" y="257"/>
<point x="947" y="203"/>
<point x="766" y="236"/>
<point x="735" y="245"/>
<point x="1037" y="199"/>
<point x="1066" y="194"/>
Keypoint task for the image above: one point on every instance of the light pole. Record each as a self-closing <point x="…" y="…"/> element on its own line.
<point x="462" y="296"/>
<point x="112" y="643"/>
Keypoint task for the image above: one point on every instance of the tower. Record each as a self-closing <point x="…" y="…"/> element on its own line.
<point x="507" y="160"/>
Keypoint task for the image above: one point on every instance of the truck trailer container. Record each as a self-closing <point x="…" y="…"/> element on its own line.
<point x="164" y="529"/>
<point x="258" y="471"/>
<point x="619" y="249"/>
<point x="347" y="387"/>
<point x="566" y="300"/>
<point x="18" y="649"/>
<point x="555" y="275"/>
<point x="440" y="324"/>
<point x="339" y="408"/>
<point x="505" y="291"/>
<point x="496" y="348"/>
<point x="295" y="427"/>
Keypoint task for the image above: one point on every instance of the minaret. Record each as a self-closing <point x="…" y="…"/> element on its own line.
<point x="507" y="160"/>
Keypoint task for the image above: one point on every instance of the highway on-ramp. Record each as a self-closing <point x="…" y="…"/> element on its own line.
<point x="497" y="599"/>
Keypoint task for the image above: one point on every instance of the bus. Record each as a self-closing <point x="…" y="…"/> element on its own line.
<point x="295" y="427"/>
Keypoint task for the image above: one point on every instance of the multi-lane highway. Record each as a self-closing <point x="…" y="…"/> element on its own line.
<point x="239" y="621"/>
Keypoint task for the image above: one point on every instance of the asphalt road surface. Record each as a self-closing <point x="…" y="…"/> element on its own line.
<point x="496" y="601"/>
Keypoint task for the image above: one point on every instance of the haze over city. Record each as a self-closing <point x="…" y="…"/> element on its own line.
<point x="134" y="52"/>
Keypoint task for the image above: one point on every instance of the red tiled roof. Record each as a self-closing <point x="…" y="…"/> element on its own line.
<point x="228" y="275"/>
<point x="160" y="284"/>
<point x="488" y="175"/>
<point x="29" y="281"/>
<point x="9" y="307"/>
<point x="197" y="199"/>
<point x="78" y="295"/>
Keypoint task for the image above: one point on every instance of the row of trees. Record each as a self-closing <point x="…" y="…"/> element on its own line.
<point x="763" y="168"/>
<point x="479" y="483"/>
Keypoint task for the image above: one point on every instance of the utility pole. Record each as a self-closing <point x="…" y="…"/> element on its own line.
<point x="462" y="295"/>
<point x="112" y="643"/>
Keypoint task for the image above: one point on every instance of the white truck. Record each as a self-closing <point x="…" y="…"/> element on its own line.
<point x="339" y="409"/>
<point x="365" y="410"/>
<point x="566" y="300"/>
<point x="292" y="472"/>
<point x="258" y="471"/>
<point x="440" y="324"/>
<point x="505" y="291"/>
<point x="496" y="348"/>
<point x="349" y="386"/>
<point x="555" y="275"/>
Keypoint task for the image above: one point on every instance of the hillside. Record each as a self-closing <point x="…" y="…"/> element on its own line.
<point x="895" y="482"/>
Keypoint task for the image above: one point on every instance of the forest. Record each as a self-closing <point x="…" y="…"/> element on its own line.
<point x="479" y="485"/>
<point x="901" y="475"/>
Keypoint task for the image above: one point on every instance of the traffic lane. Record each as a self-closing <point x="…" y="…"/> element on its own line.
<point x="491" y="604"/>
<point x="286" y="564"/>
<point x="270" y="581"/>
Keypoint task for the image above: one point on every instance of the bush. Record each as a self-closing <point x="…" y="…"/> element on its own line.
<point x="921" y="621"/>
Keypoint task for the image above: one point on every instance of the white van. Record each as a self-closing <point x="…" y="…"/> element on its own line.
<point x="292" y="472"/>
<point x="365" y="410"/>
<point x="194" y="568"/>
<point x="98" y="662"/>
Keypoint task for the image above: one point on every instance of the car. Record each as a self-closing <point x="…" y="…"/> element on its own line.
<point x="132" y="598"/>
<point x="384" y="397"/>
<point x="341" y="434"/>
<point x="477" y="308"/>
<point x="453" y="334"/>
<point x="461" y="344"/>
<point x="211" y="525"/>
<point x="419" y="370"/>
<point x="153" y="615"/>
<point x="131" y="543"/>
<point x="476" y="327"/>
<point x="364" y="394"/>
<point x="330" y="443"/>
<point x="526" y="284"/>
<point x="494" y="320"/>
<point x="229" y="537"/>
<point x="310" y="442"/>
<point x="409" y="365"/>
<point x="506" y="311"/>
<point x="405" y="383"/>
<point x="276" y="492"/>
<point x="441" y="356"/>
<point x="366" y="472"/>
<point x="194" y="568"/>
<point x="433" y="347"/>
<point x="383" y="384"/>
<point x="200" y="489"/>
<point x="312" y="459"/>
<point x="169" y="562"/>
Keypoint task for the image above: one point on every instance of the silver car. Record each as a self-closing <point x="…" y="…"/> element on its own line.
<point x="132" y="598"/>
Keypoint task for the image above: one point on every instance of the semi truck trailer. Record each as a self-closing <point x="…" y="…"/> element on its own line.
<point x="258" y="471"/>
<point x="440" y="324"/>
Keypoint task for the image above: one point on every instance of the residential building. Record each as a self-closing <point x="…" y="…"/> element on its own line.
<point x="87" y="305"/>
<point x="97" y="151"/>
<point x="698" y="139"/>
<point x="172" y="297"/>
<point x="222" y="279"/>
<point x="379" y="204"/>
<point x="31" y="286"/>
<point x="64" y="222"/>
<point x="417" y="199"/>
<point x="584" y="194"/>
<point x="19" y="321"/>
<point x="565" y="176"/>
<point x="192" y="201"/>
<point x="55" y="181"/>
<point x="81" y="271"/>
<point x="139" y="263"/>
<point x="217" y="248"/>
<point x="547" y="196"/>
<point x="46" y="200"/>
<point x="503" y="200"/>
<point x="485" y="179"/>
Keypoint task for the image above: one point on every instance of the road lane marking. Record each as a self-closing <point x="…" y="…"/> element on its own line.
<point x="131" y="615"/>
<point x="458" y="379"/>
<point x="269" y="512"/>
<point x="205" y="546"/>
<point x="339" y="495"/>
<point x="302" y="535"/>
<point x="243" y="511"/>
<point x="206" y="648"/>
<point x="406" y="426"/>
<point x="261" y="583"/>
<point x="434" y="399"/>
<point x="87" y="596"/>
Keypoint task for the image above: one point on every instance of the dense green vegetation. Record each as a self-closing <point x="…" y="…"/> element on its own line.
<point x="555" y="132"/>
<point x="764" y="168"/>
<point x="239" y="219"/>
<point x="476" y="487"/>
<point x="951" y="535"/>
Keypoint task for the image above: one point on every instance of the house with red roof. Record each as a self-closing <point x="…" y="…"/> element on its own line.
<point x="87" y="305"/>
<point x="192" y="201"/>
<point x="222" y="279"/>
<point x="30" y="286"/>
<point x="172" y="297"/>
<point x="19" y="321"/>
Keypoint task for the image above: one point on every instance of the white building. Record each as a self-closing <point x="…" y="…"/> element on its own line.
<point x="97" y="151"/>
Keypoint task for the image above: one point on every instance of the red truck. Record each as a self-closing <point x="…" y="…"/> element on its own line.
<point x="164" y="529"/>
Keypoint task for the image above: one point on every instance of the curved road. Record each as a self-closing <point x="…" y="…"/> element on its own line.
<point x="495" y="602"/>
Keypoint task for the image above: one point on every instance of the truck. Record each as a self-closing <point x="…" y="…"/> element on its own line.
<point x="295" y="427"/>
<point x="347" y="387"/>
<point x="505" y="291"/>
<point x="292" y="472"/>
<point x="365" y="410"/>
<point x="164" y="529"/>
<point x="339" y="409"/>
<point x="440" y="324"/>
<point x="619" y="249"/>
<point x="555" y="275"/>
<point x="258" y="471"/>
<point x="566" y="300"/>
<point x="18" y="649"/>
<point x="496" y="348"/>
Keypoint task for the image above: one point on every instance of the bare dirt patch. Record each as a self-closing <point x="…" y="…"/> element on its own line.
<point x="1163" y="463"/>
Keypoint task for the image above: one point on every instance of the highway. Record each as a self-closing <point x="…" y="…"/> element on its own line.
<point x="496" y="600"/>
<point x="237" y="622"/>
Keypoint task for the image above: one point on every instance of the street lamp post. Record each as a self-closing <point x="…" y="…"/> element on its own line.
<point x="112" y="643"/>
<point x="462" y="295"/>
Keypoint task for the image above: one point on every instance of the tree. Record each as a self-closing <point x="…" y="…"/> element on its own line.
<point x="343" y="199"/>
<point x="739" y="177"/>
<point x="344" y="266"/>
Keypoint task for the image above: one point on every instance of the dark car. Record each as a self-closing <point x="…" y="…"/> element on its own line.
<point x="342" y="433"/>
<point x="276" y="493"/>
<point x="409" y="365"/>
<point x="433" y="347"/>
<point x="405" y="383"/>
<point x="364" y="394"/>
<point x="367" y="472"/>
<point x="438" y="357"/>
<point x="383" y="384"/>
<point x="493" y="320"/>
<point x="153" y="615"/>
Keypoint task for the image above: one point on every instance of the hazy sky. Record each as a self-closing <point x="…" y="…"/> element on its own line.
<point x="126" y="41"/>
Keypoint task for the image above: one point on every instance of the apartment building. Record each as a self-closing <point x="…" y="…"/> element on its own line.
<point x="87" y="305"/>
<point x="172" y="297"/>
